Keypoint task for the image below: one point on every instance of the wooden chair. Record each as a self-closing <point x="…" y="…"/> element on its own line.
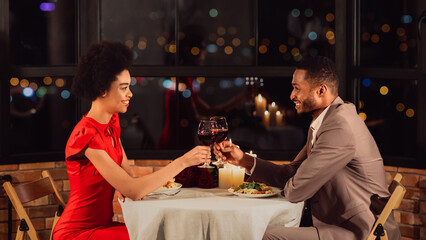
<point x="397" y="193"/>
<point x="26" y="192"/>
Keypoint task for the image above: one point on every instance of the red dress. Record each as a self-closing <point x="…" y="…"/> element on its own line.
<point x="88" y="214"/>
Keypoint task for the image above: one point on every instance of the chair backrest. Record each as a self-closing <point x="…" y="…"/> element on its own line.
<point x="397" y="191"/>
<point x="26" y="192"/>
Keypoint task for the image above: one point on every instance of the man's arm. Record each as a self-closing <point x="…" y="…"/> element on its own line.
<point x="334" y="149"/>
<point x="277" y="175"/>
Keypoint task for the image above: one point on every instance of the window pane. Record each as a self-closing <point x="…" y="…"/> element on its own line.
<point x="389" y="36"/>
<point x="42" y="32"/>
<point x="42" y="114"/>
<point x="161" y="118"/>
<point x="142" y="124"/>
<point x="289" y="30"/>
<point x="390" y="112"/>
<point x="216" y="32"/>
<point x="147" y="27"/>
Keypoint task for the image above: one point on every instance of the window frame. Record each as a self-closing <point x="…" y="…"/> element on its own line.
<point x="88" y="32"/>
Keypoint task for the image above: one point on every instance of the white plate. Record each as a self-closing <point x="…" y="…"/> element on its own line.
<point x="168" y="190"/>
<point x="276" y="191"/>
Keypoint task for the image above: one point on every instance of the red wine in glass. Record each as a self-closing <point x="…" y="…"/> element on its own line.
<point x="222" y="133"/>
<point x="206" y="134"/>
<point x="207" y="138"/>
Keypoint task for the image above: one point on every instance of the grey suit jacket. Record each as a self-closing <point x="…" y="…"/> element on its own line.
<point x="343" y="175"/>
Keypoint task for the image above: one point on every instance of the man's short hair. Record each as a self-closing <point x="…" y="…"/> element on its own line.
<point x="320" y="70"/>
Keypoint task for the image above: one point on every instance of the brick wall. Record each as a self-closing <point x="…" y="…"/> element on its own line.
<point x="411" y="215"/>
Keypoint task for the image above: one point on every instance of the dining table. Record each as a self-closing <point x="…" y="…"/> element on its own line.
<point x="196" y="213"/>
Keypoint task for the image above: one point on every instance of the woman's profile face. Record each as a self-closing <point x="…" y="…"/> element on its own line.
<point x="118" y="96"/>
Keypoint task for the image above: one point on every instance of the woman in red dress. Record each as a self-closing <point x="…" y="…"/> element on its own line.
<point x="97" y="165"/>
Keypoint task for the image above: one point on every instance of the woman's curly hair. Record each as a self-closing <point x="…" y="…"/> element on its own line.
<point x="99" y="67"/>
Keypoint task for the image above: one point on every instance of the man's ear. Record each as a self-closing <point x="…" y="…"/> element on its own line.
<point x="104" y="94"/>
<point x="322" y="90"/>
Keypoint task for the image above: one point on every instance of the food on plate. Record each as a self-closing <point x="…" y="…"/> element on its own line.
<point x="171" y="184"/>
<point x="252" y="188"/>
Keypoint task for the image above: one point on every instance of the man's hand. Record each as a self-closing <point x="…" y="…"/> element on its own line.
<point x="232" y="153"/>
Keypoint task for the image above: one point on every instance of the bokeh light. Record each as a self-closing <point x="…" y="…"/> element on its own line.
<point x="24" y="83"/>
<point x="385" y="28"/>
<point x="403" y="47"/>
<point x="400" y="107"/>
<point x="28" y="92"/>
<point x="312" y="36"/>
<point x="400" y="31"/>
<point x="366" y="82"/>
<point x="60" y="82"/>
<point x="263" y="49"/>
<point x="236" y="42"/>
<point x="213" y="12"/>
<point x="228" y="50"/>
<point x="251" y="42"/>
<point x="160" y="41"/>
<point x="142" y="45"/>
<point x="172" y="48"/>
<point x="14" y="81"/>
<point x="41" y="92"/>
<point x="329" y="17"/>
<point x="295" y="51"/>
<point x="47" y="7"/>
<point x="186" y="93"/>
<point x="361" y="104"/>
<point x="47" y="81"/>
<point x="195" y="51"/>
<point x="375" y="38"/>
<point x="65" y="94"/>
<point x="282" y="48"/>
<point x="384" y="90"/>
<point x="363" y="116"/>
<point x="309" y="12"/>
<point x="33" y="86"/>
<point x="329" y="35"/>
<point x="295" y="13"/>
<point x="409" y="113"/>
<point x="221" y="31"/>
<point x="212" y="48"/>
<point x="406" y="19"/>
<point x="220" y="42"/>
<point x="365" y="36"/>
<point x="129" y="43"/>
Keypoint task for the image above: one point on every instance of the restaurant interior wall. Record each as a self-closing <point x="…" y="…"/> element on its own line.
<point x="215" y="52"/>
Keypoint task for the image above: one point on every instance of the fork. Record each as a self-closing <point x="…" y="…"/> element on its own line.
<point x="166" y="194"/>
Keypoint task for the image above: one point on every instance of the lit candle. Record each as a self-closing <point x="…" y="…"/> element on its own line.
<point x="237" y="176"/>
<point x="225" y="175"/>
<point x="272" y="113"/>
<point x="266" y="119"/>
<point x="260" y="105"/>
<point x="279" y="118"/>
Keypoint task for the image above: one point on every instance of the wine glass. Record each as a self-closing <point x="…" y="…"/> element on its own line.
<point x="222" y="132"/>
<point x="207" y="135"/>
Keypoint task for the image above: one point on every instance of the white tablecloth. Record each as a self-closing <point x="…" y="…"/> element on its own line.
<point x="197" y="213"/>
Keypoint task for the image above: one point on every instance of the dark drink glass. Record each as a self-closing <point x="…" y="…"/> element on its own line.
<point x="222" y="133"/>
<point x="207" y="135"/>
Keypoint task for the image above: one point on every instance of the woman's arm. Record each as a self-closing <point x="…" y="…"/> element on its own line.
<point x="137" y="188"/>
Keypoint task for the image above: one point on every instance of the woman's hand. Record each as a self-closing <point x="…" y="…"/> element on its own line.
<point x="196" y="156"/>
<point x="228" y="152"/>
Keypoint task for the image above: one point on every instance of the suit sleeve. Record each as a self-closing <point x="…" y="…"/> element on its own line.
<point x="333" y="150"/>
<point x="276" y="175"/>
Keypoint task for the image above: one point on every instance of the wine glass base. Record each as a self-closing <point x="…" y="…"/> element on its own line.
<point x="204" y="166"/>
<point x="219" y="163"/>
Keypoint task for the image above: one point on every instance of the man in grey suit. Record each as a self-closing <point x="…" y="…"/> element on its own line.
<point x="340" y="168"/>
